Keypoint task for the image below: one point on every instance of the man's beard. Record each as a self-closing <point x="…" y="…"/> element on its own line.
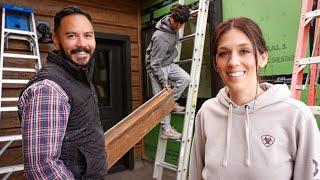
<point x="66" y="56"/>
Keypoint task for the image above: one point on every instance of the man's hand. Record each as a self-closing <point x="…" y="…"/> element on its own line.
<point x="166" y="86"/>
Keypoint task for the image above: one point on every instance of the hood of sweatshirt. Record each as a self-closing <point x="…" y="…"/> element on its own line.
<point x="165" y="25"/>
<point x="272" y="94"/>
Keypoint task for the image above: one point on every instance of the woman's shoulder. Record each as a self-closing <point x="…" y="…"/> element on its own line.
<point x="298" y="106"/>
<point x="211" y="104"/>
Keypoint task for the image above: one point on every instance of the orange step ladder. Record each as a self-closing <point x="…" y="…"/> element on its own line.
<point x="310" y="15"/>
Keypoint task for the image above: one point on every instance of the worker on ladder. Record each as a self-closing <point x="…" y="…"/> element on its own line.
<point x="62" y="137"/>
<point x="159" y="62"/>
<point x="252" y="130"/>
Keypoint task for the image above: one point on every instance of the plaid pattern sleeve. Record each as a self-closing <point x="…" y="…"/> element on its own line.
<point x="44" y="109"/>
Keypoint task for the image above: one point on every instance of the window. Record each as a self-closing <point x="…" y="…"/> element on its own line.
<point x="101" y="77"/>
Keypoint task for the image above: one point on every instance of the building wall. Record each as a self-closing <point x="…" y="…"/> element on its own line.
<point x="116" y="17"/>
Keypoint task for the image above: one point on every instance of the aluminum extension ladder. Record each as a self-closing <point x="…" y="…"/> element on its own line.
<point x="189" y="114"/>
<point x="28" y="35"/>
<point x="309" y="11"/>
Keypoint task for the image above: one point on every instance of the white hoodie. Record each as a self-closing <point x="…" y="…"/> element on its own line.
<point x="273" y="137"/>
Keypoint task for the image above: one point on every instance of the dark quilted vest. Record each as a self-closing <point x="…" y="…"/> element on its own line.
<point x="83" y="150"/>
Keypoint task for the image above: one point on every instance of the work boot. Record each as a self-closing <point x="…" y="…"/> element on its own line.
<point x="178" y="108"/>
<point x="170" y="133"/>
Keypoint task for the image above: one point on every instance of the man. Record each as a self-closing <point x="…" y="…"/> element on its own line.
<point x="159" y="62"/>
<point x="62" y="137"/>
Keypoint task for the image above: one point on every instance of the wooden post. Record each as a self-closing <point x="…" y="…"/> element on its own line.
<point x="124" y="135"/>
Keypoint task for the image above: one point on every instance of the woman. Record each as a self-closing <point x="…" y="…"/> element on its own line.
<point x="251" y="131"/>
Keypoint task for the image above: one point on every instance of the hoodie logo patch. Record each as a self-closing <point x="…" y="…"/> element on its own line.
<point x="315" y="167"/>
<point x="267" y="140"/>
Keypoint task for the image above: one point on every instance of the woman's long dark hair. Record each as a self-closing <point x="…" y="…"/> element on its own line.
<point x="249" y="28"/>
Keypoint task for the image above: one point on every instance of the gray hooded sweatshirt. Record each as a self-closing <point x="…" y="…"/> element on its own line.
<point x="273" y="137"/>
<point x="162" y="49"/>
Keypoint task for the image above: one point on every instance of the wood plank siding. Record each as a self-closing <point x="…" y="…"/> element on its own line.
<point x="109" y="16"/>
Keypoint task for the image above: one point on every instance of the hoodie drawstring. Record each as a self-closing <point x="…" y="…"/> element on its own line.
<point x="226" y="154"/>
<point x="247" y="129"/>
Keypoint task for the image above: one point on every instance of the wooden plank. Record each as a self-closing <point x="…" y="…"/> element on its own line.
<point x="136" y="104"/>
<point x="135" y="64"/>
<point x="9" y="123"/>
<point x="11" y="92"/>
<point x="26" y="63"/>
<point x="23" y="46"/>
<point x="12" y="86"/>
<point x="12" y="156"/>
<point x="97" y="26"/>
<point x="17" y="75"/>
<point x="140" y="66"/>
<point x="9" y="120"/>
<point x="12" y="131"/>
<point x="122" y="6"/>
<point x="124" y="135"/>
<point x="135" y="50"/>
<point x="135" y="78"/>
<point x="99" y="15"/>
<point x="136" y="93"/>
<point x="46" y="47"/>
<point x="106" y="28"/>
<point x="18" y="175"/>
<point x="138" y="150"/>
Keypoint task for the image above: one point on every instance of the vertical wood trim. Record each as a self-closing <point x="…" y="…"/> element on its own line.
<point x="142" y="155"/>
<point x="139" y="43"/>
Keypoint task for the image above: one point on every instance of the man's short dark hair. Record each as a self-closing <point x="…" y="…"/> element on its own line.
<point x="180" y="13"/>
<point x="68" y="11"/>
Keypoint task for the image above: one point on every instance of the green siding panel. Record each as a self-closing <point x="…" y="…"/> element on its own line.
<point x="145" y="4"/>
<point x="162" y="11"/>
<point x="279" y="25"/>
<point x="145" y="18"/>
<point x="173" y="147"/>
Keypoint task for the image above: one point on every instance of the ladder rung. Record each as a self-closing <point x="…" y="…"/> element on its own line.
<point x="168" y="166"/>
<point x="14" y="81"/>
<point x="309" y="60"/>
<point x="8" y="169"/>
<point x="187" y="37"/>
<point x="193" y="12"/>
<point x="315" y="110"/>
<point x="183" y="112"/>
<point x="23" y="56"/>
<point x="312" y="14"/>
<point x="175" y="140"/>
<point x="14" y="69"/>
<point x="10" y="138"/>
<point x="7" y="99"/>
<point x="184" y="61"/>
<point x="19" y="32"/>
<point x="9" y="109"/>
<point x="19" y="37"/>
<point x="300" y="87"/>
